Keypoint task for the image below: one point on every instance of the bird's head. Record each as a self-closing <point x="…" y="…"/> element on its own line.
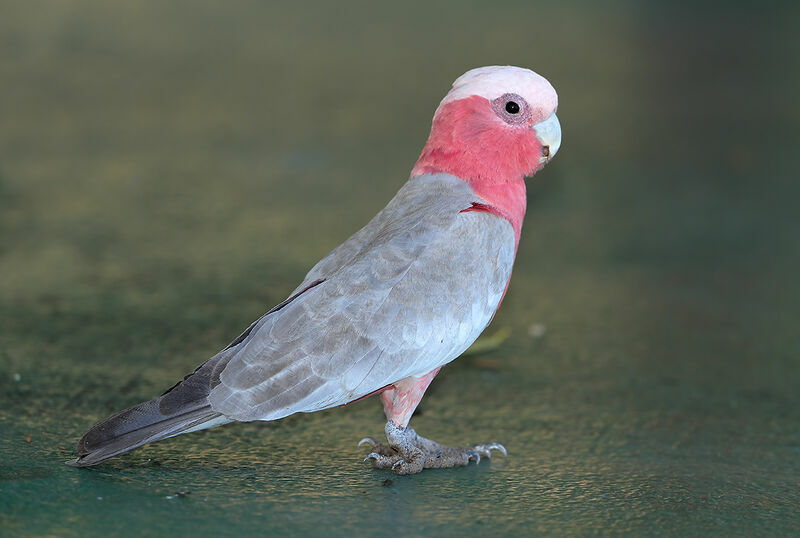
<point x="496" y="124"/>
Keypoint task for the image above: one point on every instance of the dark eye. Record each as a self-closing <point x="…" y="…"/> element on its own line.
<point x="512" y="109"/>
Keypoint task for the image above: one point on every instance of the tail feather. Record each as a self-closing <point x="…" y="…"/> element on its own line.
<point x="138" y="426"/>
<point x="183" y="408"/>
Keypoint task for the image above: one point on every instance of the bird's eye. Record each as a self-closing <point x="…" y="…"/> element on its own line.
<point x="512" y="108"/>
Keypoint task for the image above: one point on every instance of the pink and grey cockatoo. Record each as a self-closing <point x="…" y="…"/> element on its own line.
<point x="390" y="306"/>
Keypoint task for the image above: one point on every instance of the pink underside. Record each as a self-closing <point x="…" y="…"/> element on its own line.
<point x="401" y="399"/>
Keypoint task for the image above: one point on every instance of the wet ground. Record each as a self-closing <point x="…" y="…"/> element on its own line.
<point x="169" y="172"/>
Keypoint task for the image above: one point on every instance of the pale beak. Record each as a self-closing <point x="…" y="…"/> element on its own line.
<point x="549" y="134"/>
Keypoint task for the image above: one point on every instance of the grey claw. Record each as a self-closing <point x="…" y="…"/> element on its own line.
<point x="398" y="463"/>
<point x="497" y="446"/>
<point x="370" y="440"/>
<point x="473" y="455"/>
<point x="373" y="455"/>
<point x="487" y="449"/>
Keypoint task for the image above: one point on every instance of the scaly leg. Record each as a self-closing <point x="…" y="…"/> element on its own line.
<point x="407" y="451"/>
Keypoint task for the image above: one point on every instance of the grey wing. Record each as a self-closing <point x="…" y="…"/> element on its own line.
<point x="412" y="192"/>
<point x="435" y="195"/>
<point x="416" y="289"/>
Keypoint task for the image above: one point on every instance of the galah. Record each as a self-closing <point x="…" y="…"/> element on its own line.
<point x="384" y="311"/>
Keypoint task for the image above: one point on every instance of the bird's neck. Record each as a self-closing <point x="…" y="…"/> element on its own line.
<point x="466" y="142"/>
<point x="507" y="199"/>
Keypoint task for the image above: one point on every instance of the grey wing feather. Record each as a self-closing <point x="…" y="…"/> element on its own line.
<point x="392" y="303"/>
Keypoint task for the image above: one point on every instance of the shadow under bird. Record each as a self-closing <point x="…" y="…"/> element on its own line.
<point x="384" y="311"/>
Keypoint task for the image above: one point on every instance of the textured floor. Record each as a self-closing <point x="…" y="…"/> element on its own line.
<point x="169" y="172"/>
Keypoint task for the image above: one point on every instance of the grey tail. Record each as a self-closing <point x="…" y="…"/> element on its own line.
<point x="136" y="427"/>
<point x="182" y="409"/>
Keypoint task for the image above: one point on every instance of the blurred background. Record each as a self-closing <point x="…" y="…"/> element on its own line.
<point x="170" y="170"/>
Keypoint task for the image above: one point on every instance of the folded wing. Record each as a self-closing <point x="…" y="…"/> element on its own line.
<point x="406" y="294"/>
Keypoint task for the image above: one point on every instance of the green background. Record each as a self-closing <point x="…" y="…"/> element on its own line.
<point x="170" y="170"/>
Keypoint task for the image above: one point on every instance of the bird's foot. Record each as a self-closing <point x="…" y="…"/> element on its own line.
<point x="409" y="453"/>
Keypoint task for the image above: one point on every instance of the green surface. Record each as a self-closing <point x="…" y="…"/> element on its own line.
<point x="168" y="171"/>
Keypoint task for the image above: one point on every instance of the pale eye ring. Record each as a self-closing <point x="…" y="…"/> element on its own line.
<point x="512" y="108"/>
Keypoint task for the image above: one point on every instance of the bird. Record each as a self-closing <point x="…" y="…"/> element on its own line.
<point x="402" y="297"/>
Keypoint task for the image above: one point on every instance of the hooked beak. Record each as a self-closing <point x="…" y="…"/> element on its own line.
<point x="549" y="134"/>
